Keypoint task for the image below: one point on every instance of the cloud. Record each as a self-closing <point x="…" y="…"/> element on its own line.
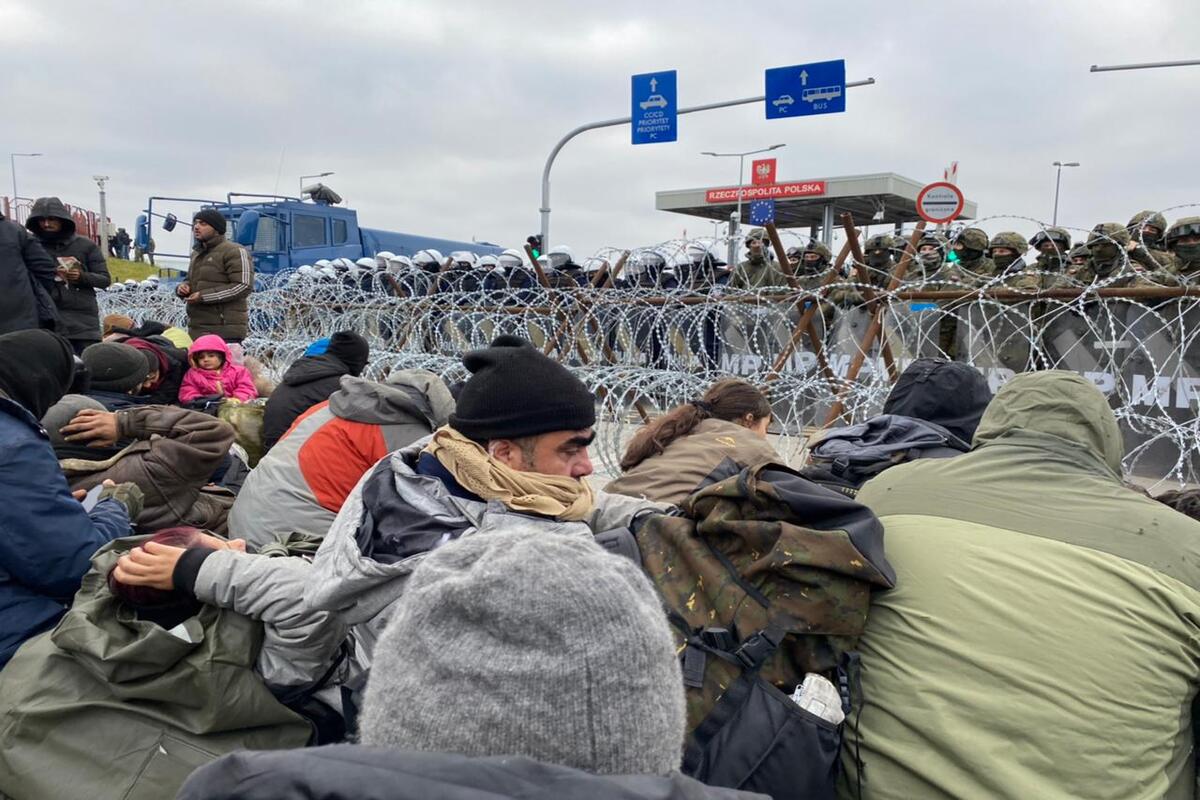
<point x="437" y="118"/>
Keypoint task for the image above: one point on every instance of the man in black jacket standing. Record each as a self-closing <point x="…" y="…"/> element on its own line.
<point x="311" y="380"/>
<point x="26" y="276"/>
<point x="80" y="271"/>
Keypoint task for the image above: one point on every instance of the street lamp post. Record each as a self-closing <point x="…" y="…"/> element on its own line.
<point x="306" y="177"/>
<point x="737" y="217"/>
<point x="1058" y="182"/>
<point x="12" y="160"/>
<point x="100" y="179"/>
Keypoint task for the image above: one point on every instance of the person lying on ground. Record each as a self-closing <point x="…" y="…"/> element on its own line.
<point x="169" y="452"/>
<point x="1038" y="604"/>
<point x="311" y="380"/>
<point x="302" y="484"/>
<point x="46" y="536"/>
<point x="591" y="704"/>
<point x="514" y="455"/>
<point x="671" y="456"/>
<point x="179" y="647"/>
<point x="119" y="373"/>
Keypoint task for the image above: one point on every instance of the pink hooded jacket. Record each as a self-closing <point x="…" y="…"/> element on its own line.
<point x="235" y="380"/>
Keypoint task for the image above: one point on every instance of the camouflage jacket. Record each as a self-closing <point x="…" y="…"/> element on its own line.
<point x="847" y="295"/>
<point x="757" y="273"/>
<point x="812" y="554"/>
<point x="1155" y="261"/>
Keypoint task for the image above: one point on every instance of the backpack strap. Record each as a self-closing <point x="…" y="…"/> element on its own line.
<point x="749" y="656"/>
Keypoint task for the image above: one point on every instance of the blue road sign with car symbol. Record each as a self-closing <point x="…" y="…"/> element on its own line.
<point x="806" y="89"/>
<point x="654" y="106"/>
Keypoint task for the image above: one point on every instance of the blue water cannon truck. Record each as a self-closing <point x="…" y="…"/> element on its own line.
<point x="283" y="233"/>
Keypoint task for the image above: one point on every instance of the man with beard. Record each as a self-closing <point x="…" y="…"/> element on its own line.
<point x="81" y="270"/>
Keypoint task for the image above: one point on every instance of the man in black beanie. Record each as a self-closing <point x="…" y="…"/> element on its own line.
<point x="220" y="279"/>
<point x="513" y="456"/>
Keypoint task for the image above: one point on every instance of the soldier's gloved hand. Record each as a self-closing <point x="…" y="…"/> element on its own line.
<point x="128" y="495"/>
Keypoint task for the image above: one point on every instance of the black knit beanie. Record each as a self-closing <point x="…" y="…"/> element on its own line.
<point x="115" y="367"/>
<point x="515" y="391"/>
<point x="351" y="349"/>
<point x="212" y="217"/>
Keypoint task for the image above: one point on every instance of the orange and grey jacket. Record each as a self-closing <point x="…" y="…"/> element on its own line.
<point x="301" y="484"/>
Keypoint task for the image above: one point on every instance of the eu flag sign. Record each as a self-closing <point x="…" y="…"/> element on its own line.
<point x="762" y="212"/>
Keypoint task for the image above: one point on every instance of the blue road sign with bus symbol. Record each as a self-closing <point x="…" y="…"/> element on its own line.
<point x="654" y="106"/>
<point x="806" y="89"/>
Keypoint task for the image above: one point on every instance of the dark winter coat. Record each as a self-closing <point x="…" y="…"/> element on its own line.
<point x="46" y="538"/>
<point x="324" y="773"/>
<point x="174" y="453"/>
<point x="308" y="381"/>
<point x="76" y="302"/>
<point x="223" y="273"/>
<point x="26" y="276"/>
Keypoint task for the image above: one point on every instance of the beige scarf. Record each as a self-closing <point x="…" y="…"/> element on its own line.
<point x="555" y="496"/>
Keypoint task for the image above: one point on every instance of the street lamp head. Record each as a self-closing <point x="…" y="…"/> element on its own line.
<point x="1071" y="164"/>
<point x="324" y="174"/>
<point x="776" y="146"/>
<point x="708" y="153"/>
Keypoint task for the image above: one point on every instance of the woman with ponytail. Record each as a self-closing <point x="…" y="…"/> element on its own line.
<point x="672" y="455"/>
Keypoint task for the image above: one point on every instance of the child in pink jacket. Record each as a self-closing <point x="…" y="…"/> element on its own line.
<point x="214" y="373"/>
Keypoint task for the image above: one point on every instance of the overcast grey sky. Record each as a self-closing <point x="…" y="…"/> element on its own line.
<point x="437" y="117"/>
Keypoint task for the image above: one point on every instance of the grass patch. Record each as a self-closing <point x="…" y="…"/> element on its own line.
<point x="121" y="270"/>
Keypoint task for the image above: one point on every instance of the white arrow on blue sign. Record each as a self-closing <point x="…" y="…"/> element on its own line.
<point x="806" y="89"/>
<point x="654" y="106"/>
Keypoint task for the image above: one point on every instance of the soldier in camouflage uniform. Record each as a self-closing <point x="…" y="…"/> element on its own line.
<point x="759" y="270"/>
<point x="973" y="268"/>
<point x="1145" y="247"/>
<point x="1109" y="264"/>
<point x="1183" y="240"/>
<point x="931" y="258"/>
<point x="1006" y="250"/>
<point x="1052" y="246"/>
<point x="877" y="254"/>
<point x="812" y="266"/>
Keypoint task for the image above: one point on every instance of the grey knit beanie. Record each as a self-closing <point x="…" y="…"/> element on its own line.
<point x="531" y="644"/>
<point x="63" y="412"/>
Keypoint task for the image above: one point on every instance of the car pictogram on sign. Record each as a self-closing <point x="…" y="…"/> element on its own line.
<point x="653" y="101"/>
<point x="783" y="100"/>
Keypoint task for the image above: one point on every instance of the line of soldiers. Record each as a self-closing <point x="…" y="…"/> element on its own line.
<point x="1144" y="252"/>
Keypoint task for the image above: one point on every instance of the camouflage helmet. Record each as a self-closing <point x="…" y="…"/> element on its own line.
<point x="1109" y="233"/>
<point x="1079" y="251"/>
<point x="973" y="239"/>
<point x="1010" y="239"/>
<point x="1059" y="236"/>
<point x="1143" y="218"/>
<point x="1185" y="226"/>
<point x="795" y="252"/>
<point x="759" y="234"/>
<point x="820" y="249"/>
<point x="879" y="242"/>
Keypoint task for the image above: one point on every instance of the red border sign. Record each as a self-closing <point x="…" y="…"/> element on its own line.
<point x="933" y="216"/>
<point x="776" y="191"/>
